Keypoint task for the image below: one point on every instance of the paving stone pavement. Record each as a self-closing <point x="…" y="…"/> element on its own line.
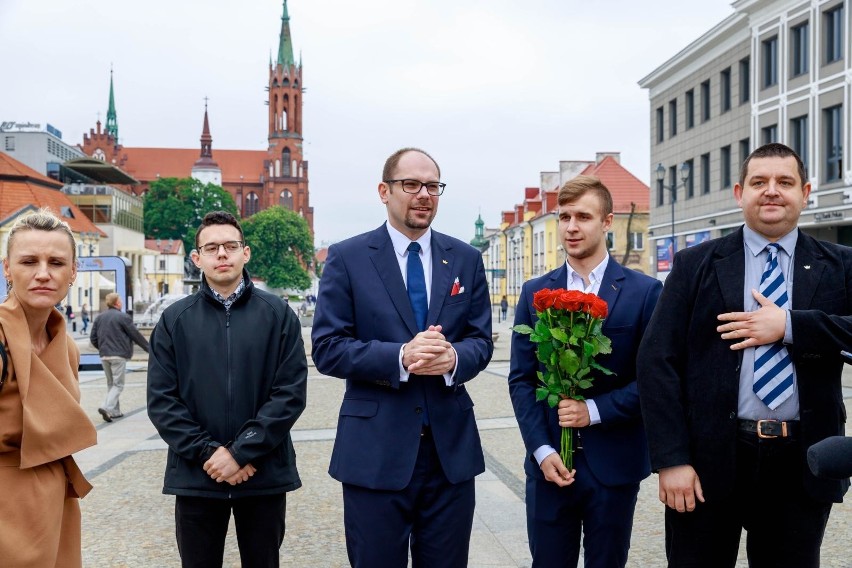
<point x="128" y="522"/>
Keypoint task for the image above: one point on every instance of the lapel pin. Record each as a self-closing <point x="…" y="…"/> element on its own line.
<point x="444" y="261"/>
<point x="613" y="287"/>
<point x="807" y="267"/>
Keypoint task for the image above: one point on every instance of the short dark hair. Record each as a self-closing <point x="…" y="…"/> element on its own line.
<point x="218" y="218"/>
<point x="389" y="171"/>
<point x="576" y="188"/>
<point x="773" y="150"/>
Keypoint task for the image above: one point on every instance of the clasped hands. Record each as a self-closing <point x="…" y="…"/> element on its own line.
<point x="761" y="327"/>
<point x="222" y="467"/>
<point x="429" y="353"/>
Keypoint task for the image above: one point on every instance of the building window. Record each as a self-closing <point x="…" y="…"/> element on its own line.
<point x="769" y="134"/>
<point x="770" y="62"/>
<point x="285" y="200"/>
<point x="610" y="240"/>
<point x="705" y="173"/>
<point x="833" y="136"/>
<point x="252" y="204"/>
<point x="725" y="166"/>
<point x="660" y="122"/>
<point x="799" y="55"/>
<point x="745" y="80"/>
<point x="661" y="193"/>
<point x="690" y="181"/>
<point x="10" y="143"/>
<point x="834" y="34"/>
<point x="705" y="101"/>
<point x="672" y="117"/>
<point x="690" y="109"/>
<point x="673" y="183"/>
<point x="799" y="138"/>
<point x="725" y="89"/>
<point x="637" y="241"/>
<point x="285" y="163"/>
<point x="745" y="149"/>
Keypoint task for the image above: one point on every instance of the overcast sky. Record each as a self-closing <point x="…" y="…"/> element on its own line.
<point x="495" y="90"/>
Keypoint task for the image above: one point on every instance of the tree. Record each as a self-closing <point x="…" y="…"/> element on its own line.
<point x="282" y="248"/>
<point x="174" y="207"/>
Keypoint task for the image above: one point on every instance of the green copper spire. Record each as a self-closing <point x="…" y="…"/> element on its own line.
<point x="285" y="45"/>
<point x="479" y="241"/>
<point x="111" y="120"/>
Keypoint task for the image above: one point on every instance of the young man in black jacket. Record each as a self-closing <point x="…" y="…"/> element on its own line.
<point x="226" y="382"/>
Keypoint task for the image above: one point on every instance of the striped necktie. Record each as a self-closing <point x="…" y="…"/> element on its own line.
<point x="773" y="368"/>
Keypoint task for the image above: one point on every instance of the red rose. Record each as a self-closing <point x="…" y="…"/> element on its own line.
<point x="543" y="299"/>
<point x="598" y="308"/>
<point x="573" y="300"/>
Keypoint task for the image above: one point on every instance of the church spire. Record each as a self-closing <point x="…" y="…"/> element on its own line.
<point x="206" y="138"/>
<point x="285" y="43"/>
<point x="111" y="119"/>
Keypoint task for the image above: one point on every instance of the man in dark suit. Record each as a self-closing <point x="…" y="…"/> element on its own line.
<point x="739" y="373"/>
<point x="403" y="314"/>
<point x="599" y="496"/>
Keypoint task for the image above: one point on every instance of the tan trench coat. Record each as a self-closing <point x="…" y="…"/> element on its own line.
<point x="41" y="425"/>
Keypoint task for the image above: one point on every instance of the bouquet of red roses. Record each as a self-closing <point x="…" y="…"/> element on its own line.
<point x="568" y="335"/>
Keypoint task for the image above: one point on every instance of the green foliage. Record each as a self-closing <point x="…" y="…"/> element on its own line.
<point x="282" y="248"/>
<point x="174" y="208"/>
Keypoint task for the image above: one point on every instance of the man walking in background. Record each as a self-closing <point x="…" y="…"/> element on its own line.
<point x="113" y="335"/>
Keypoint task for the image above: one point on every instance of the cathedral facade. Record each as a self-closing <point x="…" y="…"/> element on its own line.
<point x="257" y="179"/>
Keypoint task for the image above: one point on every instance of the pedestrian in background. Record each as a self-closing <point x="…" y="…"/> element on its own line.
<point x="113" y="335"/>
<point x="84" y="315"/>
<point x="227" y="379"/>
<point x="41" y="421"/>
<point x="504" y="307"/>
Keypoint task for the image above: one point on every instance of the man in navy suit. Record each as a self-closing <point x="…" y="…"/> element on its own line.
<point x="403" y="314"/>
<point x="597" y="497"/>
<point x="731" y="454"/>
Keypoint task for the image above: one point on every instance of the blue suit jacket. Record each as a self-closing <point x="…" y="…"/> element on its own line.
<point x="616" y="449"/>
<point x="363" y="317"/>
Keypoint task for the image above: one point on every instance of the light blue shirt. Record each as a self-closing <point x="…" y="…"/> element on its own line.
<point x="749" y="406"/>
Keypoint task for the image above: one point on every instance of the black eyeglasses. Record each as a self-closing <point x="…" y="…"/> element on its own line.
<point x="434" y="188"/>
<point x="211" y="249"/>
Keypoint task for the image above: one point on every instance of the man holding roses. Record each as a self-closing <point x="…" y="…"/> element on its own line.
<point x="598" y="496"/>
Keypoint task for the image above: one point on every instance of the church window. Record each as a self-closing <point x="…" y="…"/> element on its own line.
<point x="285" y="200"/>
<point x="252" y="203"/>
<point x="277" y="168"/>
<point x="285" y="160"/>
<point x="297" y="168"/>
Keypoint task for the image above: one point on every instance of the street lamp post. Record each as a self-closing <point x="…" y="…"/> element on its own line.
<point x="684" y="178"/>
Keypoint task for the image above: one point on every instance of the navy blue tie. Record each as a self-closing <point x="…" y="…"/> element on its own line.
<point x="417" y="285"/>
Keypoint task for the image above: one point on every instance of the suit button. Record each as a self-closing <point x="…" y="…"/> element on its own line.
<point x="732" y="415"/>
<point x="418" y="410"/>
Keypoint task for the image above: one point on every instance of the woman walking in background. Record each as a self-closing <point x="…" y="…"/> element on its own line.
<point x="41" y="421"/>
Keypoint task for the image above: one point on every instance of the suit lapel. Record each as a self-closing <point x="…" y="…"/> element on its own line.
<point x="611" y="284"/>
<point x="730" y="271"/>
<point x="807" y="272"/>
<point x="443" y="269"/>
<point x="384" y="260"/>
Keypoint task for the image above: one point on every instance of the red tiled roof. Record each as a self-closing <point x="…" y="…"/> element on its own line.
<point x="322" y="254"/>
<point x="166" y="246"/>
<point x="624" y="186"/>
<point x="146" y="163"/>
<point x="531" y="192"/>
<point x="22" y="187"/>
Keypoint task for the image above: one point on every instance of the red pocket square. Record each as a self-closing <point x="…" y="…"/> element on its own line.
<point x="457" y="288"/>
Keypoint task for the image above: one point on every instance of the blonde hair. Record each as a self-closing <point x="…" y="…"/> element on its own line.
<point x="42" y="220"/>
<point x="111" y="299"/>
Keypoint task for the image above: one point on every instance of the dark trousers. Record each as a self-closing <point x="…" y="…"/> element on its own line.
<point x="201" y="526"/>
<point x="431" y="515"/>
<point x="784" y="525"/>
<point x="558" y="516"/>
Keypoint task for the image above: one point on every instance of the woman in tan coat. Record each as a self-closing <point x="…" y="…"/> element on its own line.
<point x="41" y="421"/>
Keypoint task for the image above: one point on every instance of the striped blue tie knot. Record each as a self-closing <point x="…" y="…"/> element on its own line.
<point x="773" y="368"/>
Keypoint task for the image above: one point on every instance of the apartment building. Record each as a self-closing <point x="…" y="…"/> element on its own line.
<point x="773" y="71"/>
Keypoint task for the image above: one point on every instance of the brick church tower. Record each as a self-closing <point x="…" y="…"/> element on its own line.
<point x="286" y="183"/>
